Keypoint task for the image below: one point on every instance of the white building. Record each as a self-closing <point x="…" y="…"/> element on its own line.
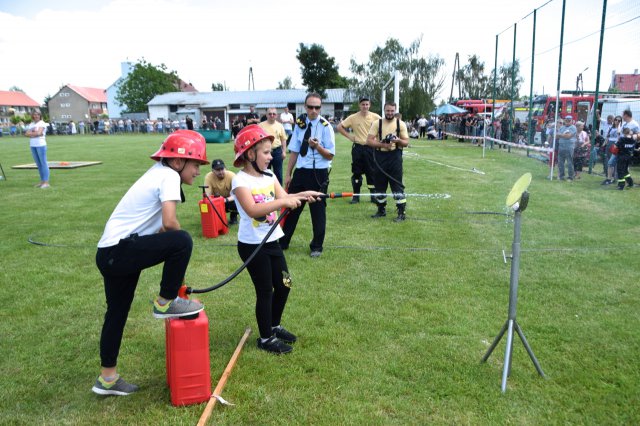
<point x="228" y="105"/>
<point x="114" y="107"/>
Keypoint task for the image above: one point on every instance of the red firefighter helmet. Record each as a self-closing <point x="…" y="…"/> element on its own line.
<point x="183" y="144"/>
<point x="246" y="138"/>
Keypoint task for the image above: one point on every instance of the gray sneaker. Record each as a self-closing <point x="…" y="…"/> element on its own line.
<point x="178" y="307"/>
<point x="118" y="387"/>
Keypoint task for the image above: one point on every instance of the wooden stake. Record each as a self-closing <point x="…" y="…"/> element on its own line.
<point x="223" y="379"/>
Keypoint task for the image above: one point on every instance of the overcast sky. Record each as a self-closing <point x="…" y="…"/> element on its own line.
<point x="45" y="44"/>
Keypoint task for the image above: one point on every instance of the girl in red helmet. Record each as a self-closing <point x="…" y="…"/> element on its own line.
<point x="142" y="232"/>
<point x="259" y="196"/>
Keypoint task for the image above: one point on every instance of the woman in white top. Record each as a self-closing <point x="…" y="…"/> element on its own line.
<point x="36" y="131"/>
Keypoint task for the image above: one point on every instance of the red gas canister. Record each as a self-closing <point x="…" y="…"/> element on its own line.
<point x="221" y="216"/>
<point x="188" y="368"/>
<point x="207" y="217"/>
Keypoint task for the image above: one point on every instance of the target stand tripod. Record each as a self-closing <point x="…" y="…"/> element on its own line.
<point x="517" y="200"/>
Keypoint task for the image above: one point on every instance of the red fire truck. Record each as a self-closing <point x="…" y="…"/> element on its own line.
<point x="544" y="108"/>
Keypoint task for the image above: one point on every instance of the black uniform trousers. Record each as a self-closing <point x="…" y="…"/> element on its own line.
<point x="308" y="180"/>
<point x="389" y="174"/>
<point x="121" y="265"/>
<point x="361" y="164"/>
<point x="276" y="163"/>
<point x="622" y="166"/>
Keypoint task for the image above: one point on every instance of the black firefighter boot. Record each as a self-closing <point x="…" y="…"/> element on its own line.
<point x="401" y="216"/>
<point x="356" y="184"/>
<point x="382" y="211"/>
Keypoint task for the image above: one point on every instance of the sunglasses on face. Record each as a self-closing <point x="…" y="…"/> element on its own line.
<point x="316" y="107"/>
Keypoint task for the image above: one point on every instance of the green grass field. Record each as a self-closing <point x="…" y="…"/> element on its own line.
<point x="392" y="320"/>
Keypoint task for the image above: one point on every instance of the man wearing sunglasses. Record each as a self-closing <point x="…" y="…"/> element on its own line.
<point x="312" y="148"/>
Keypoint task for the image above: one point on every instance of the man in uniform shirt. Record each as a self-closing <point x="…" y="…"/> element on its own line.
<point x="361" y="154"/>
<point x="388" y="136"/>
<point x="312" y="146"/>
<point x="279" y="144"/>
<point x="218" y="182"/>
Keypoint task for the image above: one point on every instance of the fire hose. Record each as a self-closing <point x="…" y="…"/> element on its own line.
<point x="188" y="290"/>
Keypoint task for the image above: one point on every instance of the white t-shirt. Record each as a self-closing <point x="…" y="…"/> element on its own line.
<point x="632" y="125"/>
<point x="38" y="140"/>
<point x="287" y="120"/>
<point x="140" y="210"/>
<point x="253" y="231"/>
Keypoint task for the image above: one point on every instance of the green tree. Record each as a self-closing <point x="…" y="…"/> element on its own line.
<point x="422" y="77"/>
<point x="15" y="89"/>
<point x="503" y="82"/>
<point x="143" y="83"/>
<point x="285" y="84"/>
<point x="15" y="119"/>
<point x="319" y="70"/>
<point x="44" y="108"/>
<point x="474" y="83"/>
<point x="218" y="87"/>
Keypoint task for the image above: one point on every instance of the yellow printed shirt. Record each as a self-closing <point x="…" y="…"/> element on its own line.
<point x="253" y="230"/>
<point x="360" y="125"/>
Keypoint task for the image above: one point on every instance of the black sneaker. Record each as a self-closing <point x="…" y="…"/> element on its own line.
<point x="284" y="335"/>
<point x="354" y="200"/>
<point x="274" y="345"/>
<point x="117" y="387"/>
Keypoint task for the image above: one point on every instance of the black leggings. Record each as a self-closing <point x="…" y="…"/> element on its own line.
<point x="121" y="266"/>
<point x="272" y="282"/>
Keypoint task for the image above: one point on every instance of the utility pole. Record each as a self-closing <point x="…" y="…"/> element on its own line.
<point x="454" y="77"/>
<point x="252" y="83"/>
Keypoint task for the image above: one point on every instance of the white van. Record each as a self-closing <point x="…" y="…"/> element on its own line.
<point x="616" y="106"/>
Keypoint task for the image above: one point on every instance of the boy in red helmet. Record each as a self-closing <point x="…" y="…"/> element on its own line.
<point x="142" y="232"/>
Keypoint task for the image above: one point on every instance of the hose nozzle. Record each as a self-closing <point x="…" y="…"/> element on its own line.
<point x="337" y="195"/>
